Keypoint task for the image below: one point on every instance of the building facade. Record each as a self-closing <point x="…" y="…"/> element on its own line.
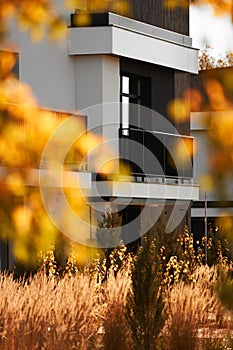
<point x="121" y="73"/>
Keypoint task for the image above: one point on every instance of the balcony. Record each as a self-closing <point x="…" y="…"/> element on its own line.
<point x="157" y="157"/>
<point x="25" y="132"/>
<point x="157" y="166"/>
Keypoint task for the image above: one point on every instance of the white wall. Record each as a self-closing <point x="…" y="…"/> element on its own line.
<point x="98" y="96"/>
<point x="46" y="67"/>
<point x="72" y="83"/>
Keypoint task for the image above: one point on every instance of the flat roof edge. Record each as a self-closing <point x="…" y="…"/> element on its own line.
<point x="112" y="19"/>
<point x="149" y="29"/>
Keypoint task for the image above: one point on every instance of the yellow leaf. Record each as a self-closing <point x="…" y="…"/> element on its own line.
<point x="178" y="110"/>
<point x="22" y="218"/>
<point x="122" y="7"/>
<point x="15" y="184"/>
<point x="7" y="61"/>
<point x="206" y="183"/>
<point x="82" y="20"/>
<point x="58" y="30"/>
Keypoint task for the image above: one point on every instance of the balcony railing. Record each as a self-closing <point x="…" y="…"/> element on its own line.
<point x="154" y="156"/>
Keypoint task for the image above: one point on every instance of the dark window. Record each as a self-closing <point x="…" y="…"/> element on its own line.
<point x="141" y="136"/>
<point x="156" y="90"/>
<point x="135" y="92"/>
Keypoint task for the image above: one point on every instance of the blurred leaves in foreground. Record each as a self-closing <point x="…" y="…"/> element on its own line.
<point x="23" y="137"/>
<point x="40" y="17"/>
<point x="25" y="130"/>
<point x="46" y="18"/>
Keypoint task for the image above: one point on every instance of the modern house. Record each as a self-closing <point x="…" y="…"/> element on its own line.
<point x="120" y="73"/>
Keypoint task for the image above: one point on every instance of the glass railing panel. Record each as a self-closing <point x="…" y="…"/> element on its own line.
<point x="152" y="153"/>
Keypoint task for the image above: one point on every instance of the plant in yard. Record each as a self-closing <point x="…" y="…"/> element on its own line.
<point x="215" y="344"/>
<point x="108" y="237"/>
<point x="50" y="262"/>
<point x="117" y="334"/>
<point x="190" y="258"/>
<point x="145" y="305"/>
<point x="220" y="245"/>
<point x="47" y="312"/>
<point x="128" y="311"/>
<point x="46" y="261"/>
<point x="183" y="265"/>
<point x="72" y="312"/>
<point x="224" y="290"/>
<point x="62" y="248"/>
<point x="195" y="314"/>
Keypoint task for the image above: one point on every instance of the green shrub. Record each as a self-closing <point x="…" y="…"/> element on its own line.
<point x="145" y="306"/>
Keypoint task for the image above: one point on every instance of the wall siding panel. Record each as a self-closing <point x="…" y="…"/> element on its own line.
<point x="182" y="84"/>
<point x="157" y="13"/>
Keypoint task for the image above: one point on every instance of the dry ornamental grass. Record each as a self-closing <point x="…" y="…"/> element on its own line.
<point x="80" y="312"/>
<point x="48" y="313"/>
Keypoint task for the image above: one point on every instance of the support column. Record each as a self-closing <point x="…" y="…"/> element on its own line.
<point x="98" y="95"/>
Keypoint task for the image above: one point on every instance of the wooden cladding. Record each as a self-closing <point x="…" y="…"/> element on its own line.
<point x="157" y="13"/>
<point x="181" y="85"/>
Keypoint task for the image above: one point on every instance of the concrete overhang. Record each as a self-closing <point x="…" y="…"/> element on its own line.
<point x="136" y="40"/>
<point x="97" y="189"/>
<point x="122" y="189"/>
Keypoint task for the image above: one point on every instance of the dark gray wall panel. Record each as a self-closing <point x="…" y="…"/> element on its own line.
<point x="182" y="84"/>
<point x="155" y="12"/>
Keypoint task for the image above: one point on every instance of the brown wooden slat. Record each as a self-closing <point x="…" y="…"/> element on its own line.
<point x="181" y="84"/>
<point x="155" y="12"/>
